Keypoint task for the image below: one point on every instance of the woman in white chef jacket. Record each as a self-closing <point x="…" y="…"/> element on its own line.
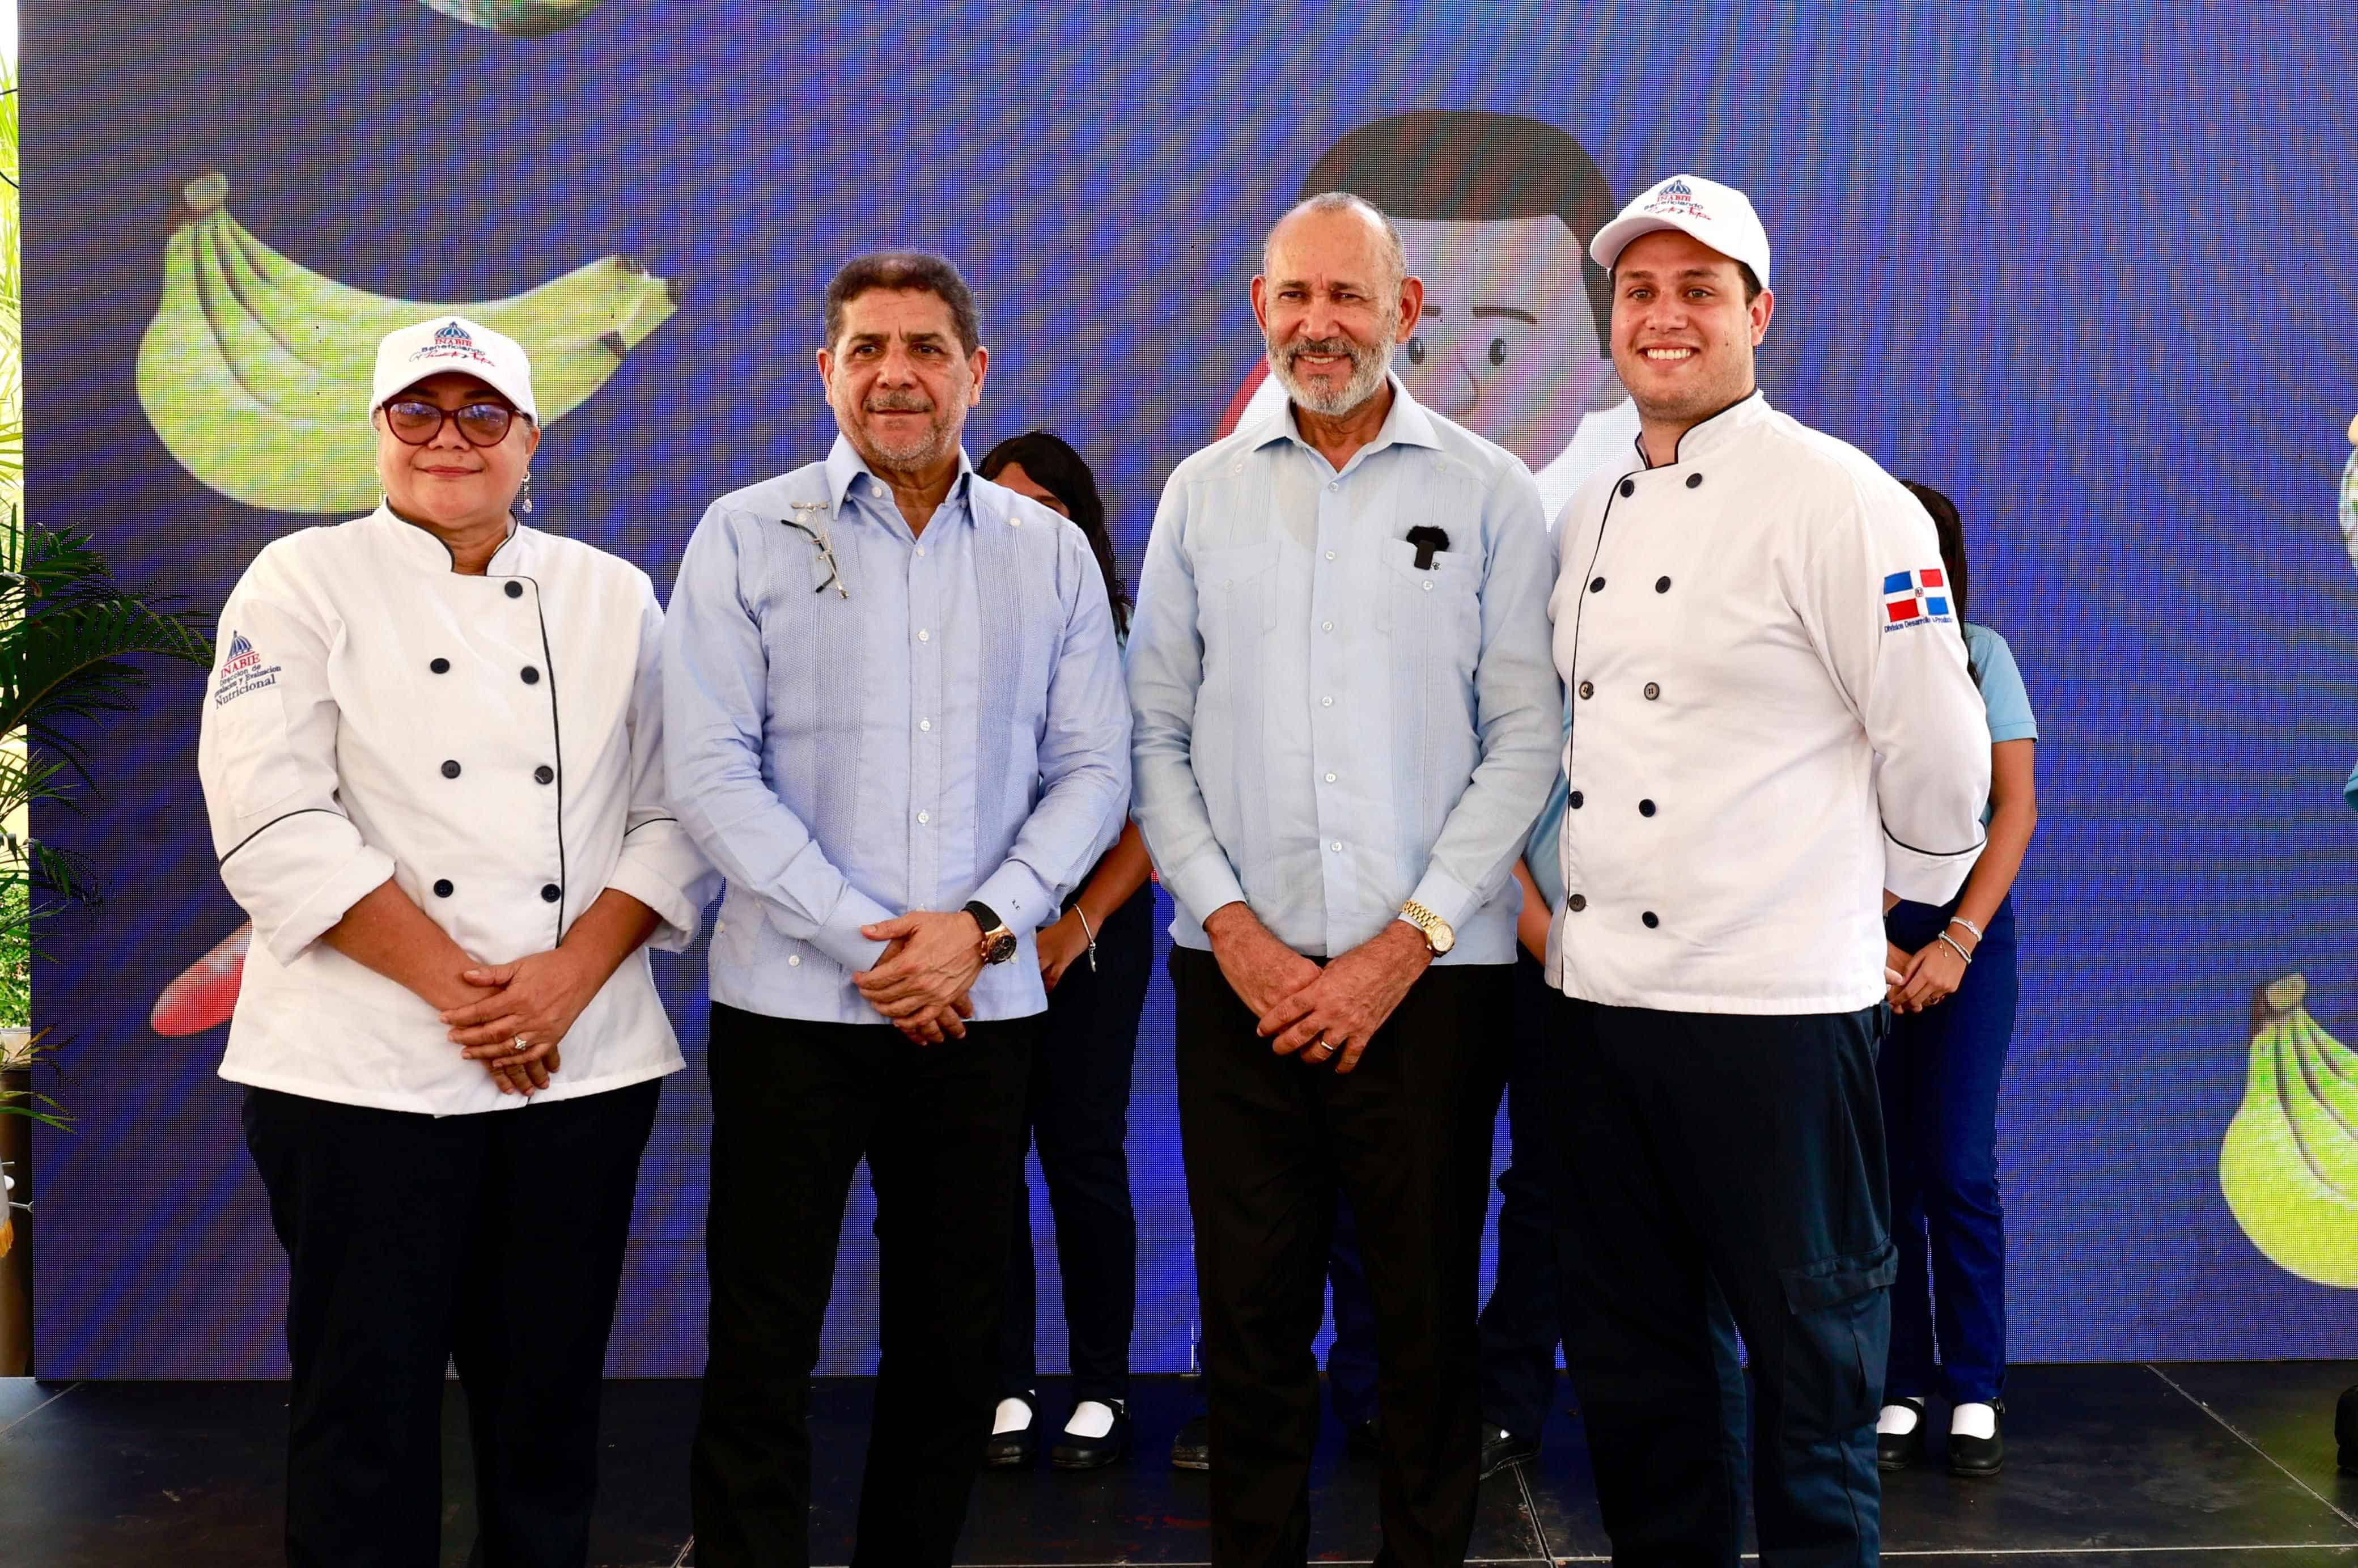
<point x="432" y="758"/>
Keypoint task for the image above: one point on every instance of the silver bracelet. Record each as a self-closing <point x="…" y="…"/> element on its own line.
<point x="1960" y="952"/>
<point x="1090" y="933"/>
<point x="1960" y="920"/>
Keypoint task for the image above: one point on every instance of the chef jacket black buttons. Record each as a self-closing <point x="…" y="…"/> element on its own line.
<point x="1629" y="487"/>
<point x="450" y="769"/>
<point x="1693" y="481"/>
<point x="1576" y="903"/>
<point x="1661" y="585"/>
<point x="1588" y="689"/>
<point x="531" y="675"/>
<point x="1652" y="691"/>
<point x="543" y="774"/>
<point x="1597" y="585"/>
<point x="550" y="892"/>
<point x="440" y="666"/>
<point x="1651" y="919"/>
<point x="515" y="590"/>
<point x="443" y="888"/>
<point x="1576" y="798"/>
<point x="1645" y="808"/>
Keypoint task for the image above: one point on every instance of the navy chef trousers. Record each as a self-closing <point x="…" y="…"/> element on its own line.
<point x="1747" y="1151"/>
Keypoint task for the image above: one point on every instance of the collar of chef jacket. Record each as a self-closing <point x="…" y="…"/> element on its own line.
<point x="414" y="546"/>
<point x="1709" y="435"/>
<point x="1408" y="425"/>
<point x="845" y="466"/>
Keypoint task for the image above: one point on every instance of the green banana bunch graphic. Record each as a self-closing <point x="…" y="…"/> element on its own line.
<point x="255" y="372"/>
<point x="524" y="19"/>
<point x="2289" y="1163"/>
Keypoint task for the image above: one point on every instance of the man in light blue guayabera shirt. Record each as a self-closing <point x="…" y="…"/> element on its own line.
<point x="893" y="719"/>
<point x="1346" y="720"/>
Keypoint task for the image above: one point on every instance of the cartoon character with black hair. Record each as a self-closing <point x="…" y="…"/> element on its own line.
<point x="1495" y="211"/>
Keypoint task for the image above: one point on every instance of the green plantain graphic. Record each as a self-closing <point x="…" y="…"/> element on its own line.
<point x="523" y="19"/>
<point x="2289" y="1163"/>
<point x="255" y="372"/>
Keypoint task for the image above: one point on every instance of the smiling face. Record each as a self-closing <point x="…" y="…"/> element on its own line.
<point x="449" y="482"/>
<point x="1332" y="307"/>
<point x="1507" y="345"/>
<point x="899" y="379"/>
<point x="1682" y="333"/>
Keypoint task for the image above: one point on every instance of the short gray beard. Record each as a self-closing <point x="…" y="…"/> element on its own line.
<point x="1369" y="366"/>
<point x="940" y="439"/>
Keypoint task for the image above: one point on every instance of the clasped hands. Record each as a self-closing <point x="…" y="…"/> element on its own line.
<point x="520" y="1014"/>
<point x="921" y="980"/>
<point x="1328" y="1013"/>
<point x="1914" y="981"/>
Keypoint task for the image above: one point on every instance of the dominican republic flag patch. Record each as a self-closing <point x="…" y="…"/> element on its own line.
<point x="1910" y="599"/>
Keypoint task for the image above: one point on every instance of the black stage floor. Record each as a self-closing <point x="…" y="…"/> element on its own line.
<point x="2122" y="1466"/>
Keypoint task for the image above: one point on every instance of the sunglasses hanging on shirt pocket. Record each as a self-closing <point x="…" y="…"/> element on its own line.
<point x="810" y="519"/>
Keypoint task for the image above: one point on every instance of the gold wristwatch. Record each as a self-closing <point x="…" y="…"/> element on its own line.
<point x="1437" y="932"/>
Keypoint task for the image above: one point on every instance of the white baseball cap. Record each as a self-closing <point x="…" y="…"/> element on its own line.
<point x="408" y="356"/>
<point x="1717" y="215"/>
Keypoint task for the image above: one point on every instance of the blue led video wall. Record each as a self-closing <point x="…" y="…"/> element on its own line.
<point x="2087" y="270"/>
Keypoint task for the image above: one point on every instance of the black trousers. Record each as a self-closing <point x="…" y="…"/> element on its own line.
<point x="1523" y="1319"/>
<point x="1077" y="1108"/>
<point x="411" y="1239"/>
<point x="1269" y="1142"/>
<point x="795" y="1105"/>
<point x="1748" y="1151"/>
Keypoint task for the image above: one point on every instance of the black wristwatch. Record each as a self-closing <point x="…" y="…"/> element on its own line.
<point x="997" y="942"/>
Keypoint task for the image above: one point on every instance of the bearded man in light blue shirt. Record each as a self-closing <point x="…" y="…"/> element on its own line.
<point x="893" y="717"/>
<point x="1347" y="718"/>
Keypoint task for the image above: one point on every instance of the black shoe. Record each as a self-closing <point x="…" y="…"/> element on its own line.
<point x="1191" y="1449"/>
<point x="1073" y="1452"/>
<point x="1501" y="1448"/>
<point x="1901" y="1450"/>
<point x="1980" y="1455"/>
<point x="1015" y="1450"/>
<point x="1364" y="1438"/>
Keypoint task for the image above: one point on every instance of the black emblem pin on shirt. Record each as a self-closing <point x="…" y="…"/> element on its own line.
<point x="1427" y="540"/>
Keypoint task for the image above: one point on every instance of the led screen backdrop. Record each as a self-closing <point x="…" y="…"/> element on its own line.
<point x="2088" y="269"/>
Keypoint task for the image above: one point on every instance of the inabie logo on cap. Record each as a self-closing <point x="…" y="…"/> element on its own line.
<point x="452" y="342"/>
<point x="1676" y="196"/>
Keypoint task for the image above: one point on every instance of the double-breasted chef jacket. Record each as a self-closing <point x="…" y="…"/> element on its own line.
<point x="1743" y="632"/>
<point x="492" y="743"/>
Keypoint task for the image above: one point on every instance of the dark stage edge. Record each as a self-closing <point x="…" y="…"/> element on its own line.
<point x="2109" y="1467"/>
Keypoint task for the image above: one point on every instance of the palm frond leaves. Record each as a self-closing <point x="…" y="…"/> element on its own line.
<point x="66" y="661"/>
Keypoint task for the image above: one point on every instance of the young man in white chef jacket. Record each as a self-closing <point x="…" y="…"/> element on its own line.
<point x="1746" y="617"/>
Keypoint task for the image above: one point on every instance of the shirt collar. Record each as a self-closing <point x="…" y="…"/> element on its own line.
<point x="418" y="547"/>
<point x="846" y="467"/>
<point x="1708" y="435"/>
<point x="1407" y="425"/>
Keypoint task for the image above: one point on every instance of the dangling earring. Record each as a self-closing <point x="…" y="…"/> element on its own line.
<point x="524" y="496"/>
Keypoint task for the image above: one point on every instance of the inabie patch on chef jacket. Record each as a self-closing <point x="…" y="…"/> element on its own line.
<point x="1916" y="598"/>
<point x="243" y="673"/>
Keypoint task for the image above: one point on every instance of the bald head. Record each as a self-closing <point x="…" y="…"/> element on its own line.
<point x="1332" y="214"/>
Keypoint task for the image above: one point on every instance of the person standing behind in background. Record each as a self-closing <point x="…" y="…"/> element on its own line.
<point x="1940" y="1070"/>
<point x="1094" y="960"/>
<point x="1345" y="722"/>
<point x="890" y="686"/>
<point x="1773" y="729"/>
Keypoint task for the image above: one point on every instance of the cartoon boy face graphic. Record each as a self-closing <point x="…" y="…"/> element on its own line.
<point x="1495" y="211"/>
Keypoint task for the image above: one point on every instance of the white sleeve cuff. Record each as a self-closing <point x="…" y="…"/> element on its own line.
<point x="1921" y="876"/>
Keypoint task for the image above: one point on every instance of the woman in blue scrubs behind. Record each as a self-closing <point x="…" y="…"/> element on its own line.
<point x="1939" y="1068"/>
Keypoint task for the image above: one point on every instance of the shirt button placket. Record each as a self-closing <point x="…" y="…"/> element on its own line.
<point x="1329" y="737"/>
